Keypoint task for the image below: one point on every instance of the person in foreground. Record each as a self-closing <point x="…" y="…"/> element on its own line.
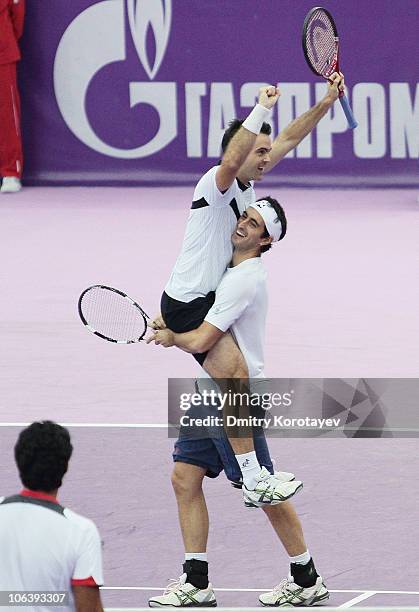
<point x="44" y="546"/>
<point x="240" y="306"/>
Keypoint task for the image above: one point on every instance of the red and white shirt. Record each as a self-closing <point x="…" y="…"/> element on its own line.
<point x="46" y="547"/>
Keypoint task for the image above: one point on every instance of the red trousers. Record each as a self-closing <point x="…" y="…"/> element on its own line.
<point x="11" y="158"/>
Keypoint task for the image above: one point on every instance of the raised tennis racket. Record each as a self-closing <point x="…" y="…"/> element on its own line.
<point x="112" y="315"/>
<point x="321" y="50"/>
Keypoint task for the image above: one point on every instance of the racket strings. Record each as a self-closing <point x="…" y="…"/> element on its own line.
<point x="113" y="315"/>
<point x="320" y="42"/>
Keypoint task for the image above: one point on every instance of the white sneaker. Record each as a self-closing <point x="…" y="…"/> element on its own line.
<point x="288" y="594"/>
<point x="270" y="490"/>
<point x="281" y="476"/>
<point x="181" y="594"/>
<point x="10" y="184"/>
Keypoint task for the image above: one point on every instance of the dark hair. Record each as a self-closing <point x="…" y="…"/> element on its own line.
<point x="280" y="218"/>
<point x="42" y="453"/>
<point x="234" y="126"/>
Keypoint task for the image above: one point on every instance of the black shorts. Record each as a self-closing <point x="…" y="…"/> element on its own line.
<point x="182" y="317"/>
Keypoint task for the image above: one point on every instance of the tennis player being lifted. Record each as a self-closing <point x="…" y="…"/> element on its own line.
<point x="220" y="197"/>
<point x="240" y="306"/>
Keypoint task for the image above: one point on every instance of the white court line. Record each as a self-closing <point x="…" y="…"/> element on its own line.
<point x="258" y="609"/>
<point x="176" y="425"/>
<point x="128" y="425"/>
<point x="238" y="590"/>
<point x="355" y="600"/>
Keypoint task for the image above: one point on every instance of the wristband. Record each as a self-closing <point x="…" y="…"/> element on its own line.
<point x="254" y="121"/>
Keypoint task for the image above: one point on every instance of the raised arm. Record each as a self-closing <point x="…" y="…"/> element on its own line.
<point x="198" y="340"/>
<point x="242" y="142"/>
<point x="298" y="129"/>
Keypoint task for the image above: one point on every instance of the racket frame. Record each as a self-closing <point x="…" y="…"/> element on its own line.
<point x="124" y="295"/>
<point x="334" y="66"/>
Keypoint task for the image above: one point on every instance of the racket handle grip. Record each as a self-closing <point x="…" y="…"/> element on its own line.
<point x="352" y="123"/>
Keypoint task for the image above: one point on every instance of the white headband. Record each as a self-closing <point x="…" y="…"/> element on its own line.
<point x="269" y="215"/>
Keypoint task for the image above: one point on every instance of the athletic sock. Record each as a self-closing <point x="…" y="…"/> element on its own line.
<point x="250" y="469"/>
<point x="198" y="556"/>
<point x="304" y="575"/>
<point x="196" y="573"/>
<point x="302" y="559"/>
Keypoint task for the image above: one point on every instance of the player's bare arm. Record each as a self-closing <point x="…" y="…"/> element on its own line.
<point x="241" y="144"/>
<point x="87" y="599"/>
<point x="198" y="340"/>
<point x="298" y="129"/>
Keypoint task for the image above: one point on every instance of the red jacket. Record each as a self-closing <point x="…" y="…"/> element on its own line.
<point x="11" y="27"/>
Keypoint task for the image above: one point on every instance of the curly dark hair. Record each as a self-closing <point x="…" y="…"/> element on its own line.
<point x="42" y="453"/>
<point x="280" y="217"/>
<point x="234" y="126"/>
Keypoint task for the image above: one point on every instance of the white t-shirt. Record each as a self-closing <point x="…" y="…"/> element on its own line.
<point x="45" y="547"/>
<point x="241" y="304"/>
<point x="207" y="249"/>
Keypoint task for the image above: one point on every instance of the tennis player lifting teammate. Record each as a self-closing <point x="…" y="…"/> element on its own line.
<point x="241" y="306"/>
<point x="220" y="197"/>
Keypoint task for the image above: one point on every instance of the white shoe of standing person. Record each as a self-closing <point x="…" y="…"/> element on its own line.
<point x="287" y="594"/>
<point x="182" y="594"/>
<point x="10" y="184"/>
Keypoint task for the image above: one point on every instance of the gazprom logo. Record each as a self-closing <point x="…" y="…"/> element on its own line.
<point x="97" y="38"/>
<point x="145" y="15"/>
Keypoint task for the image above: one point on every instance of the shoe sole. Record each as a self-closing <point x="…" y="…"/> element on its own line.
<point x="206" y="604"/>
<point x="250" y="504"/>
<point x="317" y="601"/>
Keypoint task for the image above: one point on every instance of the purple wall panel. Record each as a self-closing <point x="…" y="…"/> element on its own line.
<point x="138" y="91"/>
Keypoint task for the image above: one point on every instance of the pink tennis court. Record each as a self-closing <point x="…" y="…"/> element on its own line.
<point x="352" y="314"/>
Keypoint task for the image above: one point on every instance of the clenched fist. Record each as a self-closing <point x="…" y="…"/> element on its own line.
<point x="336" y="86"/>
<point x="268" y="96"/>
